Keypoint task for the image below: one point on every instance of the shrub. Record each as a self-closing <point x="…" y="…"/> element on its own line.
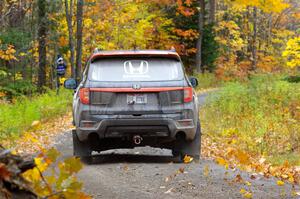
<point x="207" y="80"/>
<point x="263" y="115"/>
<point x="17" y="117"/>
<point x="18" y="88"/>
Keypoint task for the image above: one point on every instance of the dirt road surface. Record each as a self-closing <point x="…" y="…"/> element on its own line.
<point x="153" y="173"/>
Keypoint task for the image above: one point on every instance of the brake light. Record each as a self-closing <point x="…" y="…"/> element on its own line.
<point x="188" y="94"/>
<point x="84" y="95"/>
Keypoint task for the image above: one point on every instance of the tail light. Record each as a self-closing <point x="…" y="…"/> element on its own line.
<point x="84" y="95"/>
<point x="188" y="94"/>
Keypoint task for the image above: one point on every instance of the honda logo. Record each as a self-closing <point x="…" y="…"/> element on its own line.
<point x="136" y="87"/>
<point x="136" y="67"/>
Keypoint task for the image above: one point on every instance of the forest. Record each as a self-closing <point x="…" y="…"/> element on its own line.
<point x="229" y="38"/>
<point x="245" y="54"/>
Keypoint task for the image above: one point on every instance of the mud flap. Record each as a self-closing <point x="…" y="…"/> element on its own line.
<point x="80" y="149"/>
<point x="192" y="148"/>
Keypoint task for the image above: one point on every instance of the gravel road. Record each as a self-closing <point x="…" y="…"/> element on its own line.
<point x="150" y="173"/>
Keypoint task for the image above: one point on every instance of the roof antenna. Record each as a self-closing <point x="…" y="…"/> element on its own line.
<point x="173" y="49"/>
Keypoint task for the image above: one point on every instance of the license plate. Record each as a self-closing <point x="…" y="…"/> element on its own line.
<point x="136" y="99"/>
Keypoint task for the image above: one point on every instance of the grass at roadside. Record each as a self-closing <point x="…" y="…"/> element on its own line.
<point x="259" y="118"/>
<point x="207" y="81"/>
<point x="18" y="117"/>
<point x="255" y="126"/>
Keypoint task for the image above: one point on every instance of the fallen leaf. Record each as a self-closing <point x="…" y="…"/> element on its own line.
<point x="284" y="176"/>
<point x="221" y="161"/>
<point x="125" y="167"/>
<point x="291" y="179"/>
<point x="238" y="178"/>
<point x="252" y="177"/>
<point x="181" y="170"/>
<point x="167" y="179"/>
<point x="206" y="170"/>
<point x="169" y="191"/>
<point x="280" y="183"/>
<point x="35" y="124"/>
<point x="248" y="183"/>
<point x="242" y="191"/>
<point x="248" y="195"/>
<point x="243" y="157"/>
<point x="297" y="193"/>
<point x="262" y="160"/>
<point x="187" y="159"/>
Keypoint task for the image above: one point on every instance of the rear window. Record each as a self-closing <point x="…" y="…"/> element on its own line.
<point x="140" y="69"/>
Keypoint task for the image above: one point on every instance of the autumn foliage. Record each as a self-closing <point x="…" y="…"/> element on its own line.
<point x="39" y="177"/>
<point x="251" y="123"/>
<point x="255" y="126"/>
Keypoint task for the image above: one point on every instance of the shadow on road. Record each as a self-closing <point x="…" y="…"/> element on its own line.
<point x="132" y="158"/>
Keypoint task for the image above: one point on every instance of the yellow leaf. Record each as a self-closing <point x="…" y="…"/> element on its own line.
<point x="83" y="196"/>
<point x="243" y="157"/>
<point x="221" y="161"/>
<point x="280" y="183"/>
<point x="35" y="124"/>
<point x="40" y="164"/>
<point x="295" y="193"/>
<point x="72" y="165"/>
<point x="32" y="175"/>
<point x="13" y="152"/>
<point x="206" y="171"/>
<point x="291" y="179"/>
<point x="248" y="183"/>
<point x="248" y="195"/>
<point x="242" y="191"/>
<point x="52" y="155"/>
<point x="187" y="159"/>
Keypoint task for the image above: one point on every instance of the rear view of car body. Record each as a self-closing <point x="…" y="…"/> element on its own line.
<point x="135" y="98"/>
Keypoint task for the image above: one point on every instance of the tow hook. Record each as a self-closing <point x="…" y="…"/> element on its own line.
<point x="137" y="139"/>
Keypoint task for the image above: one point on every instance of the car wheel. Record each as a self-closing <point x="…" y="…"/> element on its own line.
<point x="81" y="149"/>
<point x="178" y="155"/>
<point x="192" y="148"/>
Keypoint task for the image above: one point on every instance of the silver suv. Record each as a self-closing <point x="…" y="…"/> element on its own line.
<point x="128" y="99"/>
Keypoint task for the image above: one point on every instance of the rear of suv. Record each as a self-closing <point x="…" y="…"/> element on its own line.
<point x="128" y="99"/>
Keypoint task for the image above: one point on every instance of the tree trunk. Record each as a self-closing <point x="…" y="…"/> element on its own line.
<point x="212" y="11"/>
<point x="199" y="67"/>
<point x="254" y="49"/>
<point x="42" y="34"/>
<point x="269" y="32"/>
<point x="79" y="19"/>
<point x="69" y="17"/>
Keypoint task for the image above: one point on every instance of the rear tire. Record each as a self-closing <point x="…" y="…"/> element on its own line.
<point x="190" y="148"/>
<point x="81" y="149"/>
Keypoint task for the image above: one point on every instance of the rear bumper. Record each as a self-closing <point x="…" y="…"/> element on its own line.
<point x="162" y="127"/>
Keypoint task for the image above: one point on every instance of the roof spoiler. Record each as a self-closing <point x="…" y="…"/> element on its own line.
<point x="134" y="54"/>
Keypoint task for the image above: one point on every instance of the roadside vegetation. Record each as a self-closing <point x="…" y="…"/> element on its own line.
<point x="257" y="121"/>
<point x="18" y="116"/>
<point x="207" y="81"/>
<point x="251" y="120"/>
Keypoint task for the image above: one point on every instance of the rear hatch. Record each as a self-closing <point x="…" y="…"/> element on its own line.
<point x="138" y="87"/>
